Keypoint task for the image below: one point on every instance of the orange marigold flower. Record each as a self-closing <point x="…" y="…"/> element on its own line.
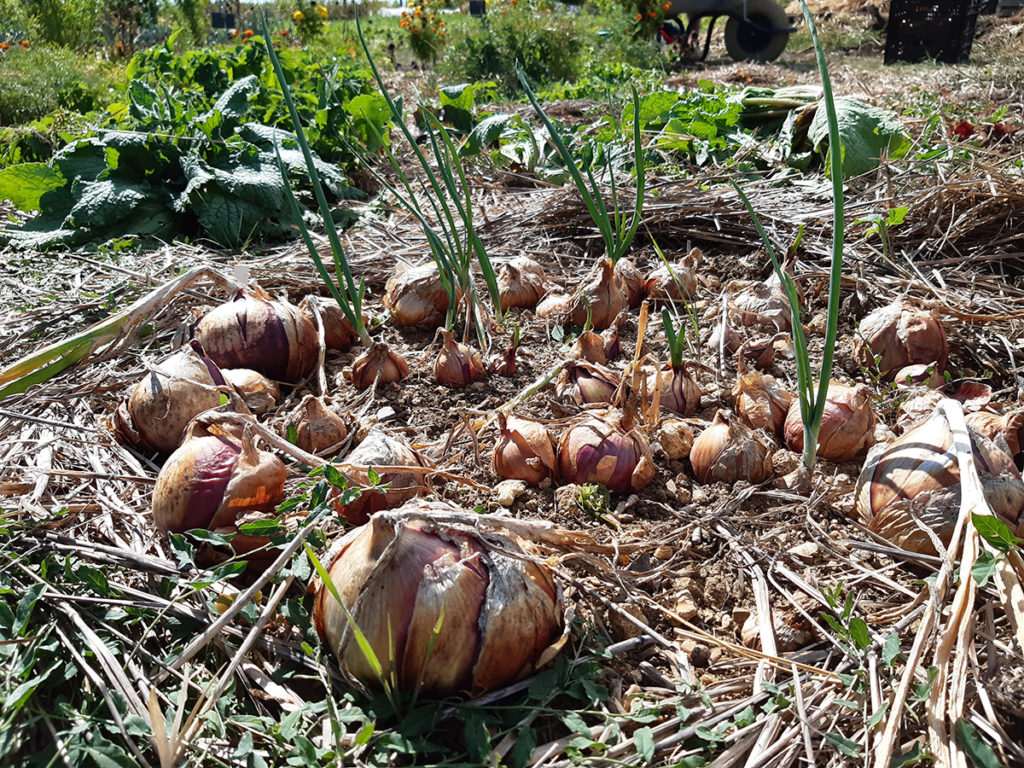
<point x="284" y="33"/>
<point x="415" y="31"/>
<point x="248" y="33"/>
<point x="442" y="23"/>
<point x="666" y="6"/>
<point x="652" y="14"/>
<point x="418" y="12"/>
<point x="26" y="44"/>
<point x="4" y="47"/>
<point x="638" y="16"/>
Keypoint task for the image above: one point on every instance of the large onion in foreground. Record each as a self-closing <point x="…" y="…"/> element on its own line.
<point x="444" y="609"/>
<point x="255" y="331"/>
<point x="917" y="478"/>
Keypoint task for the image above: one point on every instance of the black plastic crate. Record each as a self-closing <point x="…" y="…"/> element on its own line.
<point x="919" y="29"/>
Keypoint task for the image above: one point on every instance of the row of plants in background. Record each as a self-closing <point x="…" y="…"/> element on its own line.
<point x="182" y="157"/>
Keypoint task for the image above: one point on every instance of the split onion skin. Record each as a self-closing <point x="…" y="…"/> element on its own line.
<point x="728" y="451"/>
<point x="523" y="451"/>
<point x="254" y="331"/>
<point x="401" y="579"/>
<point x="899" y="335"/>
<point x="598" y="451"/>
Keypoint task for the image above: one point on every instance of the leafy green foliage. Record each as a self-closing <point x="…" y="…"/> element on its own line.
<point x="537" y="34"/>
<point x="866" y="134"/>
<point x="38" y="80"/>
<point x="190" y="160"/>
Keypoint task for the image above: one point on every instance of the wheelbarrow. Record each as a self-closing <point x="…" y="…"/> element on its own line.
<point x="756" y="30"/>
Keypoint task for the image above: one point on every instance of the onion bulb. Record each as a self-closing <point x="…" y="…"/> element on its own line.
<point x="339" y="333"/>
<point x="585" y="383"/>
<point x="761" y="402"/>
<point x="457" y="364"/>
<point x="379" y="449"/>
<point x="444" y="609"/>
<point x="604" y="298"/>
<point x="631" y="281"/>
<point x="1008" y="427"/>
<point x="213" y="478"/>
<point x="589" y="346"/>
<point x="158" y="409"/>
<point x="416" y="296"/>
<point x="677" y="283"/>
<point x="255" y="331"/>
<point x="897" y="335"/>
<point x="523" y="451"/>
<point x="317" y="428"/>
<point x="762" y="304"/>
<point x="920" y="375"/>
<point x="728" y="450"/>
<point x="554" y="305"/>
<point x="504" y="363"/>
<point x="612" y="344"/>
<point x="521" y="283"/>
<point x="918" y="476"/>
<point x="378" y="364"/>
<point x="679" y="393"/>
<point x="259" y="393"/>
<point x="846" y="425"/>
<point x="602" y="450"/>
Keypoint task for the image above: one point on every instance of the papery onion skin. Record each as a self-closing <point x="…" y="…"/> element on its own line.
<point x="846" y="425"/>
<point x="597" y="451"/>
<point x="209" y="479"/>
<point x="158" y="409"/>
<point x="317" y="427"/>
<point x="677" y="283"/>
<point x="451" y="613"/>
<point x="761" y="304"/>
<point x="378" y="359"/>
<point x="379" y="449"/>
<point x="589" y="346"/>
<point x="523" y="451"/>
<point x="899" y="334"/>
<point x="1008" y="427"/>
<point x="255" y="331"/>
<point x="585" y="383"/>
<point x="258" y="392"/>
<point x="416" y="296"/>
<point x="761" y="402"/>
<point x="631" y="281"/>
<point x="521" y="284"/>
<point x="605" y="299"/>
<point x="457" y="364"/>
<point x="728" y="451"/>
<point x="339" y="333"/>
<point x="918" y="476"/>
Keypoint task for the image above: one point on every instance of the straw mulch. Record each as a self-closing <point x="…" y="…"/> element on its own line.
<point x="690" y="565"/>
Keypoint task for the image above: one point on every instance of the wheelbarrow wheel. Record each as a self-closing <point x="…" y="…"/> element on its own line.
<point x="751" y="39"/>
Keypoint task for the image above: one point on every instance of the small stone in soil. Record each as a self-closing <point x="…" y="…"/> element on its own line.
<point x="507" y="491"/>
<point x="700" y="656"/>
